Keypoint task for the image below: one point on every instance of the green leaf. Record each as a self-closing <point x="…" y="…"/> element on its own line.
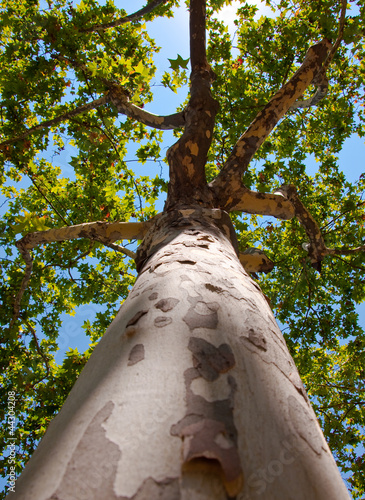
<point x="179" y="62"/>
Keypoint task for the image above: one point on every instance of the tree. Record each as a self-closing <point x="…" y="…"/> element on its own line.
<point x="194" y="360"/>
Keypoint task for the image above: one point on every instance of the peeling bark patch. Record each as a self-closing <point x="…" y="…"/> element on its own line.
<point x="166" y="304"/>
<point x="153" y="296"/>
<point x="209" y="360"/>
<point x="136" y="318"/>
<point x="162" y="321"/>
<point x="204" y="440"/>
<point x="208" y="432"/>
<point x="92" y="468"/>
<point x="202" y="315"/>
<point x="136" y="355"/>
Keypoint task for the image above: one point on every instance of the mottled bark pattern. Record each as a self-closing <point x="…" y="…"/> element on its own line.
<point x="191" y="394"/>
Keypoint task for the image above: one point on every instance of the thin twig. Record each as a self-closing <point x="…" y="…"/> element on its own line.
<point x="339" y="36"/>
<point x="127" y="19"/>
<point x="39" y="350"/>
<point x="55" y="121"/>
<point x="47" y="200"/>
<point x="118" y="248"/>
<point x="28" y="271"/>
<point x="321" y="80"/>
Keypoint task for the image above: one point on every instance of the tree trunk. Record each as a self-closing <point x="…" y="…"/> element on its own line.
<point x="191" y="394"/>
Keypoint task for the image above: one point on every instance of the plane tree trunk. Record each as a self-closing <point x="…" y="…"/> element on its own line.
<point x="191" y="394"/>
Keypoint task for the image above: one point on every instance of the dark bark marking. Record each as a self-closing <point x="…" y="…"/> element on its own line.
<point x="214" y="288"/>
<point x="92" y="468"/>
<point x="167" y="304"/>
<point x="136" y="318"/>
<point x="257" y="339"/>
<point x="206" y="237"/>
<point x="201" y="314"/>
<point x="209" y="360"/>
<point x="162" y="321"/>
<point x="153" y="296"/>
<point x="208" y="439"/>
<point x="191" y="262"/>
<point x="136" y="355"/>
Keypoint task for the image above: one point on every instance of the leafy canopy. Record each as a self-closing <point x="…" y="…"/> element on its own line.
<point x="79" y="170"/>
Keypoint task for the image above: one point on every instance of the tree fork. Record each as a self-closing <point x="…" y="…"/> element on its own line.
<point x="228" y="183"/>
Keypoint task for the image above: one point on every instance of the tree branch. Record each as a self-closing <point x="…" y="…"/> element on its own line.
<point x="316" y="247"/>
<point x="23" y="286"/>
<point x="229" y="179"/>
<point x="345" y="251"/>
<point x="253" y="202"/>
<point x="320" y="93"/>
<point x="339" y="37"/>
<point x="127" y="19"/>
<point x="105" y="232"/>
<point x="120" y="99"/>
<point x="198" y="57"/>
<point x="187" y="158"/>
<point x="255" y="260"/>
<point x="118" y="248"/>
<point x="110" y="231"/>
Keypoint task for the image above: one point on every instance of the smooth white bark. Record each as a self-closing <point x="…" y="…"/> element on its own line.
<point x="191" y="394"/>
